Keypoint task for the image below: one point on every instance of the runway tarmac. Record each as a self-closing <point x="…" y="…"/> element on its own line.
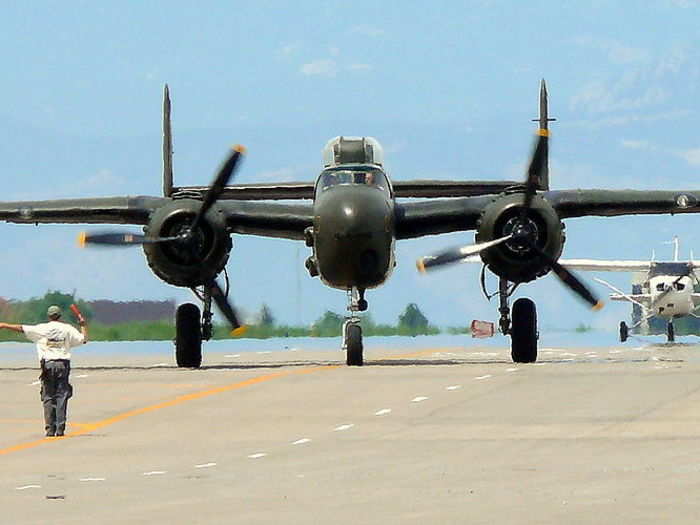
<point x="436" y="435"/>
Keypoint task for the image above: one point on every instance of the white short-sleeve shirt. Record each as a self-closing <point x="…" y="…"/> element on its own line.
<point x="53" y="339"/>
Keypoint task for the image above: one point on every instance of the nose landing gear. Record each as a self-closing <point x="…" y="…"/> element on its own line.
<point x="352" y="331"/>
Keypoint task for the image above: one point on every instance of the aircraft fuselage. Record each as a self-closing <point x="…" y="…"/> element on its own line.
<point x="353" y="228"/>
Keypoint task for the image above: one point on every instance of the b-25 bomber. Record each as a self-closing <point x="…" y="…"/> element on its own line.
<point x="355" y="215"/>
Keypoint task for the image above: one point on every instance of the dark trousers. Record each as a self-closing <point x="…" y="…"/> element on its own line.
<point x="55" y="393"/>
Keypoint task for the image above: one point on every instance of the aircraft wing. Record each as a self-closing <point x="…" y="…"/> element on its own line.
<point x="605" y="266"/>
<point x="609" y="203"/>
<point x="269" y="219"/>
<point x="402" y="189"/>
<point x="644" y="299"/>
<point x="431" y="217"/>
<point x="101" y="210"/>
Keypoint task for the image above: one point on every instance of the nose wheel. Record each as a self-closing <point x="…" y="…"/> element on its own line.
<point x="670" y="332"/>
<point x="352" y="331"/>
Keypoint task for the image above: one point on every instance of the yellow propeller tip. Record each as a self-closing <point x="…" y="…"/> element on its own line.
<point x="420" y="265"/>
<point x="543" y="132"/>
<point x="82" y="236"/>
<point x="239" y="331"/>
<point x="598" y="306"/>
<point x="240" y="149"/>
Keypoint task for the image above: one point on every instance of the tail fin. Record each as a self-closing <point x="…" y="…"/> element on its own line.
<point x="544" y="120"/>
<point x="167" y="146"/>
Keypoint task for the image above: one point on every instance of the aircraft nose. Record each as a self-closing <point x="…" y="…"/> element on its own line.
<point x="358" y="212"/>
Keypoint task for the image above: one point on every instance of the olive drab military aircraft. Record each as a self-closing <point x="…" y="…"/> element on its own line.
<point x="666" y="290"/>
<point x="355" y="216"/>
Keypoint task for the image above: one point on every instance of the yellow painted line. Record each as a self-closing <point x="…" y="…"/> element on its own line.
<point x="89" y="427"/>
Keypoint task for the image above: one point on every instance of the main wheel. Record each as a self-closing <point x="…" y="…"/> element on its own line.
<point x="624" y="331"/>
<point x="353" y="341"/>
<point x="188" y="336"/>
<point x="523" y="333"/>
<point x="670" y="333"/>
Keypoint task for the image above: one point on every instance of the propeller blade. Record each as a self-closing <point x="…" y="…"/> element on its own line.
<point x="454" y="255"/>
<point x="118" y="239"/>
<point x="226" y="309"/>
<point x="220" y="182"/>
<point x="537" y="166"/>
<point x="570" y="280"/>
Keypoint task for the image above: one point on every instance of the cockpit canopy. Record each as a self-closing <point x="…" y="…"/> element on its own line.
<point x="356" y="175"/>
<point x="352" y="150"/>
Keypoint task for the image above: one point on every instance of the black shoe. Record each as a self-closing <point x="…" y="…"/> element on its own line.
<point x="50" y="434"/>
<point x="59" y="434"/>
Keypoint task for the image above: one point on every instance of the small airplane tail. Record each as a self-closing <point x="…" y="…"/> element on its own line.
<point x="167" y="146"/>
<point x="543" y="183"/>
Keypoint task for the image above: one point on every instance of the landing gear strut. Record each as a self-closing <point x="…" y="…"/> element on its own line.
<point x="352" y="331"/>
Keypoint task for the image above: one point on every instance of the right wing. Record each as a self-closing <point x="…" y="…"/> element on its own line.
<point x="99" y="210"/>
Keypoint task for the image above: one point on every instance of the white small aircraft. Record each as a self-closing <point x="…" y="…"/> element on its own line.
<point x="667" y="287"/>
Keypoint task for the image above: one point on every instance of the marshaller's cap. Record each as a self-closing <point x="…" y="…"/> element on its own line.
<point x="53" y="311"/>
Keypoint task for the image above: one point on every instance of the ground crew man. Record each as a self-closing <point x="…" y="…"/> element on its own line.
<point x="54" y="341"/>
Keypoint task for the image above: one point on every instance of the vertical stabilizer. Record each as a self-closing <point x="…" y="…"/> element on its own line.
<point x="544" y="120"/>
<point x="167" y="146"/>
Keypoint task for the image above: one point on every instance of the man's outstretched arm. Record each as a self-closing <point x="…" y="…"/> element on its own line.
<point x="13" y="327"/>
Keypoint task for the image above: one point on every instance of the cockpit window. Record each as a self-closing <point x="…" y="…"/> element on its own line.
<point x="660" y="287"/>
<point x="364" y="176"/>
<point x="679" y="286"/>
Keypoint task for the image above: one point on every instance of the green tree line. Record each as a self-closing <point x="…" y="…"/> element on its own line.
<point x="411" y="322"/>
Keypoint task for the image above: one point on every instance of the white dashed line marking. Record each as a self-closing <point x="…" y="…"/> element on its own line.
<point x="382" y="412"/>
<point x="453" y="387"/>
<point x="258" y="455"/>
<point x="419" y="399"/>
<point x="34" y="383"/>
<point x="301" y="441"/>
<point x="161" y="364"/>
<point x="25" y="487"/>
<point x="205" y="465"/>
<point x="154" y="473"/>
<point x="511" y="369"/>
<point x="80" y="376"/>
<point x="265" y="352"/>
<point x="343" y="427"/>
<point x="483" y="377"/>
<point x="93" y="479"/>
<point x="231" y="356"/>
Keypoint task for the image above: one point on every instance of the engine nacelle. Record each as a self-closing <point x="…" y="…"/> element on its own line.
<point x="515" y="260"/>
<point x="190" y="262"/>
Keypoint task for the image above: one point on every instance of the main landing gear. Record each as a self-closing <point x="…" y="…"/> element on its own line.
<point x="523" y="326"/>
<point x="670" y="331"/>
<point x="190" y="331"/>
<point x="352" y="331"/>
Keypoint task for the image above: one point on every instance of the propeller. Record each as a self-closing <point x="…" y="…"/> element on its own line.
<point x="210" y="197"/>
<point x="521" y="233"/>
<point x="187" y="238"/>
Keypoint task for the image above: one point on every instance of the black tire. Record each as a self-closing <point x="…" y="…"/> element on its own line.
<point x="188" y="336"/>
<point x="523" y="333"/>
<point x="670" y="332"/>
<point x="353" y="339"/>
<point x="624" y="332"/>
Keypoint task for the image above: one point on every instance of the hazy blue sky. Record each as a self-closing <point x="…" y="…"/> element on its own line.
<point x="449" y="88"/>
